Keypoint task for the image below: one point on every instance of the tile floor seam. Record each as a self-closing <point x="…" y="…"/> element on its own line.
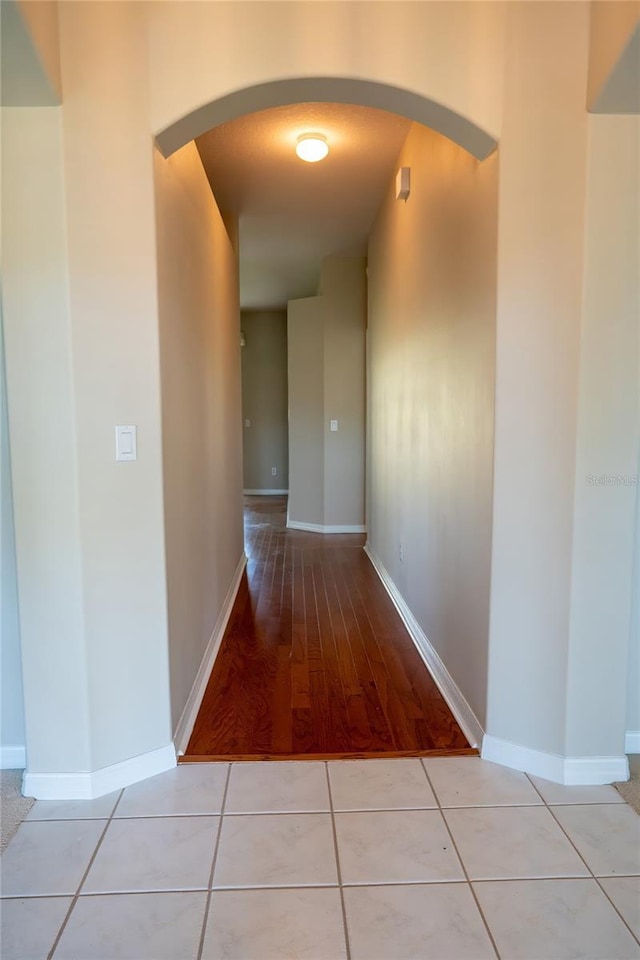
<point x="75" y="897"/>
<point x="592" y="873"/>
<point x="207" y="906"/>
<point x="462" y="864"/>
<point x="338" y="869"/>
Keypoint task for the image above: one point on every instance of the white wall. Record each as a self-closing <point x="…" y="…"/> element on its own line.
<point x="265" y="442"/>
<point x="432" y="305"/>
<point x="201" y="406"/>
<point x="326" y="363"/>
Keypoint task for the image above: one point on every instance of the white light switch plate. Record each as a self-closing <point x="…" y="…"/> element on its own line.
<point x="333" y="425"/>
<point x="126" y="443"/>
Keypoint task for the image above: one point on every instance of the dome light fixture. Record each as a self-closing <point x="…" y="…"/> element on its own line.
<point x="312" y="147"/>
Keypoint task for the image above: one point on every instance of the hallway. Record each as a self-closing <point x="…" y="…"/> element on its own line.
<point x="315" y="661"/>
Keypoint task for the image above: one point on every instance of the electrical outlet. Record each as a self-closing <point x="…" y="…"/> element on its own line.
<point x="274" y="471"/>
<point x="401" y="552"/>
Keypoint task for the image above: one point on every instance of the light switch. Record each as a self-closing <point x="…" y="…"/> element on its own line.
<point x="247" y="423"/>
<point x="126" y="446"/>
<point x="333" y="425"/>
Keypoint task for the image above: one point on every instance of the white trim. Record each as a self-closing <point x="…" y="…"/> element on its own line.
<point x="96" y="783"/>
<point x="549" y="766"/>
<point x="264" y="493"/>
<point x="13" y="757"/>
<point x="187" y="719"/>
<point x="459" y="706"/>
<point x="570" y="771"/>
<point x="327" y="528"/>
<point x="632" y="741"/>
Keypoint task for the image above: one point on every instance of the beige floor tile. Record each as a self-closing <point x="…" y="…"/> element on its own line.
<point x="28" y="928"/>
<point x="161" y="853"/>
<point x="48" y="857"/>
<point x="554" y="920"/>
<point x="379" y="785"/>
<point x="404" y="846"/>
<point x="499" y="843"/>
<point x="140" y="926"/>
<point x="557" y="793"/>
<point x="414" y="922"/>
<point x="289" y="849"/>
<point x="607" y="836"/>
<point x="189" y="789"/>
<point x="472" y="782"/>
<point x="305" y="924"/>
<point x="625" y="893"/>
<point x="277" y="788"/>
<point x="99" y="809"/>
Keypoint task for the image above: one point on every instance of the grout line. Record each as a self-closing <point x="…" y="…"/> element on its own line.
<point x="335" y="844"/>
<point x="462" y="864"/>
<point x="591" y="872"/>
<point x="284" y="813"/>
<point x="84" y="876"/>
<point x="207" y="906"/>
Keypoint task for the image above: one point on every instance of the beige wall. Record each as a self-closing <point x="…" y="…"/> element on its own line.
<point x="108" y="177"/>
<point x="432" y="306"/>
<point x="200" y="382"/>
<point x="128" y="72"/>
<point x="344" y="295"/>
<point x="608" y="442"/>
<point x="399" y="44"/>
<point x="613" y="23"/>
<point x="44" y="451"/>
<point x="632" y="722"/>
<point x="541" y="233"/>
<point x="264" y="400"/>
<point x="326" y="337"/>
<point x="12" y="734"/>
<point x="305" y="338"/>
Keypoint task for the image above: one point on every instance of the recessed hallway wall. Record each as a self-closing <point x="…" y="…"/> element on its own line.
<point x="264" y="400"/>
<point x="432" y="309"/>
<point x="199" y="319"/>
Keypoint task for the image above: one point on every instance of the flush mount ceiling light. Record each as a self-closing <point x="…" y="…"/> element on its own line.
<point x="312" y="147"/>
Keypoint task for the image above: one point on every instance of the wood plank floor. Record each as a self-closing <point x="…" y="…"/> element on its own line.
<point x="315" y="662"/>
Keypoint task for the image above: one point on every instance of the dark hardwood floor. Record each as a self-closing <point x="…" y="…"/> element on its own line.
<point x="315" y="661"/>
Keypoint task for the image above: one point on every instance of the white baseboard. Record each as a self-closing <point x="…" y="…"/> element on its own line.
<point x="13" y="757"/>
<point x="96" y="783"/>
<point x="570" y="771"/>
<point x="632" y="741"/>
<point x="187" y="719"/>
<point x="264" y="493"/>
<point x="458" y="705"/>
<point x="327" y="528"/>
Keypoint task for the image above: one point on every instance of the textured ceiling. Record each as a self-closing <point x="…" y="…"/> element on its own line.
<point x="292" y="213"/>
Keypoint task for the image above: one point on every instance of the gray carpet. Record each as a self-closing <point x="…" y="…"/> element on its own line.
<point x="13" y="806"/>
<point x="631" y="789"/>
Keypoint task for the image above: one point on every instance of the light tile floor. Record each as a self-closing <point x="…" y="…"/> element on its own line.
<point x="441" y="859"/>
